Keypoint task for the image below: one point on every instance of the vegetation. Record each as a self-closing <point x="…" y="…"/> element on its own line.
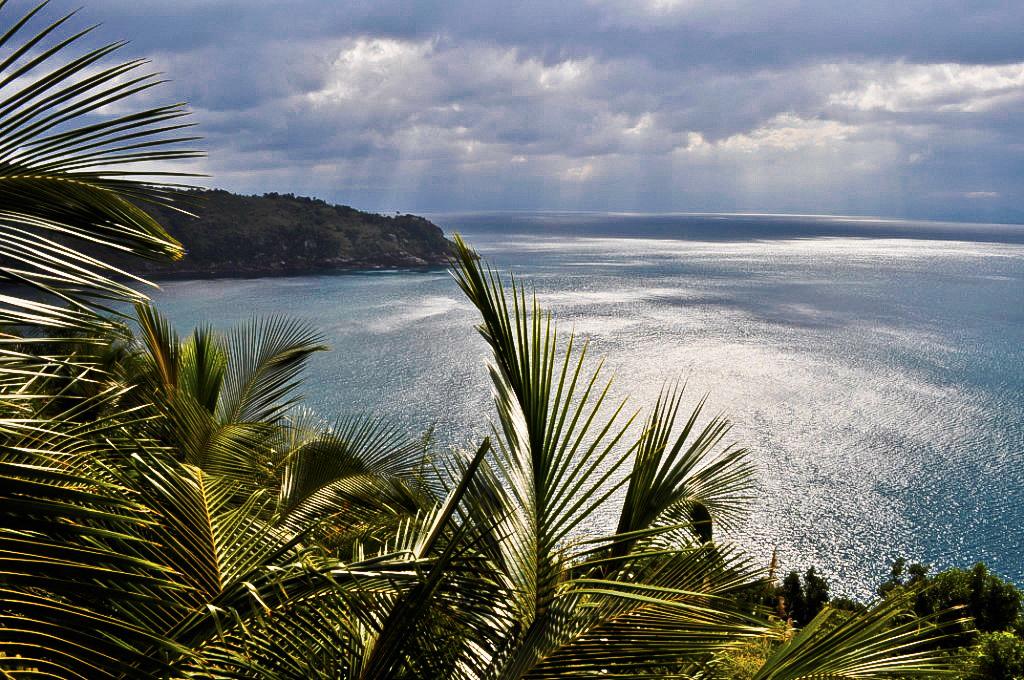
<point x="168" y="510"/>
<point x="992" y="603"/>
<point x="985" y="644"/>
<point x="285" y="234"/>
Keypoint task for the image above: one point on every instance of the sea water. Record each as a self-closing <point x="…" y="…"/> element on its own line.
<point x="875" y="369"/>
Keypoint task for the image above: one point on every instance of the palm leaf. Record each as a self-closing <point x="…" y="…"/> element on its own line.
<point x="351" y="474"/>
<point x="884" y="641"/>
<point x="686" y="481"/>
<point x="74" y="549"/>
<point x="66" y="174"/>
<point x="558" y="462"/>
<point x="267" y="357"/>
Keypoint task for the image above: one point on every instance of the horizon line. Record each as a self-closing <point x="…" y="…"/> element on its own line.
<point x="683" y="213"/>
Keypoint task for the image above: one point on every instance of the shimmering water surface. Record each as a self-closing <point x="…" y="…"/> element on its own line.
<point x="876" y="369"/>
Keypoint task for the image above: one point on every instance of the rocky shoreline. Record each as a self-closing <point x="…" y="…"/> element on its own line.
<point x="241" y="271"/>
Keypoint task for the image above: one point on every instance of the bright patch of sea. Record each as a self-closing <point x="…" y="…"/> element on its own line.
<point x="875" y="369"/>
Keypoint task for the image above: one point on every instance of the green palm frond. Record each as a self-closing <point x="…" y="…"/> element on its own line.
<point x="75" y="180"/>
<point x="412" y="641"/>
<point x="221" y="395"/>
<point x="75" y="549"/>
<point x="885" y="641"/>
<point x="304" y="619"/>
<point x="559" y="460"/>
<point x="556" y="461"/>
<point x="267" y="357"/>
<point x="350" y="476"/>
<point x="688" y="481"/>
<point x="668" y="609"/>
<point x="205" y="534"/>
<point x="405" y="611"/>
<point x="162" y="348"/>
<point x="73" y="176"/>
<point x="121" y="561"/>
<point x="202" y="364"/>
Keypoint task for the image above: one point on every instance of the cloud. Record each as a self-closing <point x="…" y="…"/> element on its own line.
<point x="579" y="173"/>
<point x="878" y="107"/>
<point x="788" y="132"/>
<point x="941" y="88"/>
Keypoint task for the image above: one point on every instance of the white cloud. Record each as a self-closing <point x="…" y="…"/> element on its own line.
<point x="578" y="173"/>
<point x="788" y="132"/>
<point x="561" y="75"/>
<point x="934" y="87"/>
<point x="375" y="69"/>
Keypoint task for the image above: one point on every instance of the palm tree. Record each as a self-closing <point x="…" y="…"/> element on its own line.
<point x="226" y="404"/>
<point x="504" y="581"/>
<point x="168" y="512"/>
<point x="651" y="595"/>
<point x="115" y="551"/>
<point x="72" y="181"/>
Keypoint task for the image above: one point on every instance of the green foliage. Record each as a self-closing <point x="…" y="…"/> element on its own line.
<point x="998" y="656"/>
<point x="167" y="511"/>
<point x="903" y="575"/>
<point x="843" y="645"/>
<point x="71" y="175"/>
<point x="795" y="599"/>
<point x="745" y="659"/>
<point x="846" y="604"/>
<point x="281" y="233"/>
<point x="815" y="594"/>
<point x="979" y="612"/>
<point x="792" y="593"/>
<point x="991" y="603"/>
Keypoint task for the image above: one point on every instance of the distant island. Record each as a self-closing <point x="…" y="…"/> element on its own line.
<point x="282" y="234"/>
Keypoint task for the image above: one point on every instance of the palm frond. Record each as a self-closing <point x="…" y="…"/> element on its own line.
<point x="686" y="481"/>
<point x="350" y="474"/>
<point x="557" y="463"/>
<point x="202" y="364"/>
<point x="75" y="549"/>
<point x="561" y="457"/>
<point x="267" y="356"/>
<point x="70" y="196"/>
<point x="885" y="641"/>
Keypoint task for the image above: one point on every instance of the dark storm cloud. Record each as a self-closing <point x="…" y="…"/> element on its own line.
<point x="899" y="108"/>
<point x="747" y="32"/>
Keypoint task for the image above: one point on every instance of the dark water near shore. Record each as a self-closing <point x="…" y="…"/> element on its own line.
<point x="876" y="369"/>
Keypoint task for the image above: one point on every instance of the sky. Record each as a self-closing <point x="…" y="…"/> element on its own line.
<point x="912" y="108"/>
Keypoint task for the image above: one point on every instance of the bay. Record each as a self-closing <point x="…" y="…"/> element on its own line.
<point x="874" y="368"/>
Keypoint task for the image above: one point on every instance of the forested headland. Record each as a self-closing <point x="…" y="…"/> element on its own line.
<point x="227" y="234"/>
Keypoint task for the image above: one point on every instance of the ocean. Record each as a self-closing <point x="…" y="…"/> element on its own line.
<point x="875" y="368"/>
